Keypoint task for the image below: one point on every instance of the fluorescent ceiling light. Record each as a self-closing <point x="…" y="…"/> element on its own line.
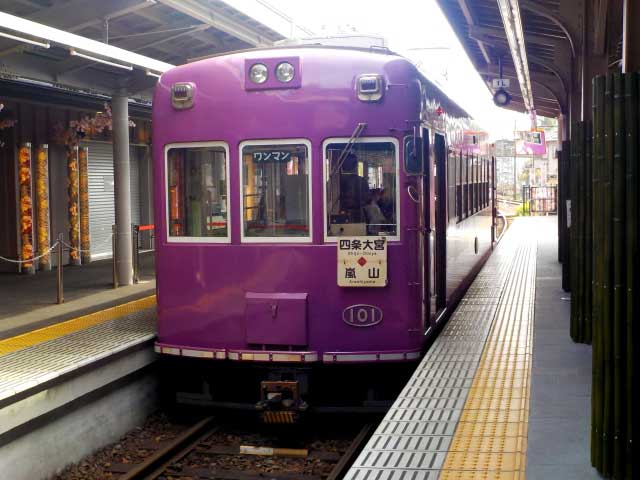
<point x="25" y="40"/>
<point x="70" y="40"/>
<point x="510" y="13"/>
<point x="152" y="74"/>
<point x="100" y="60"/>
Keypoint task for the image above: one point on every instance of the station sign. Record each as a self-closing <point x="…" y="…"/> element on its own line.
<point x="501" y="83"/>
<point x="362" y="261"/>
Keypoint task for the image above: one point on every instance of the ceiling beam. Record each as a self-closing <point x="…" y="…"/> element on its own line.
<point x="74" y="16"/>
<point x="512" y="21"/>
<point x="553" y="41"/>
<point x="219" y="19"/>
<point x="469" y="17"/>
<point x="561" y="75"/>
<point x="542" y="111"/>
<point x="29" y="3"/>
<point x="540" y="11"/>
<point x="132" y="44"/>
<point x="550" y="84"/>
<point x="508" y="69"/>
<point x="82" y="44"/>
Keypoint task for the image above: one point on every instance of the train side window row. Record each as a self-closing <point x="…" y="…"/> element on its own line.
<point x="468" y="182"/>
<point x="361" y="190"/>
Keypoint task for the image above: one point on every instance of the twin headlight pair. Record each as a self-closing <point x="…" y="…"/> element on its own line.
<point x="259" y="73"/>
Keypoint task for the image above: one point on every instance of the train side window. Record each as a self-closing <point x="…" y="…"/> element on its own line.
<point x="361" y="196"/>
<point x="197" y="192"/>
<point x="459" y="187"/>
<point x="413" y="161"/>
<point x="465" y="185"/>
<point x="275" y="191"/>
<point x="451" y="184"/>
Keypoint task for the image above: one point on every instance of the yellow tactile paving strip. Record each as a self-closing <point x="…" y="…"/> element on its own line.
<point x="490" y="441"/>
<point x="69" y="326"/>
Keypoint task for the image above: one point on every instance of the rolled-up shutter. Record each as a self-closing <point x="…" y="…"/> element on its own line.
<point x="102" y="195"/>
<point x="134" y="181"/>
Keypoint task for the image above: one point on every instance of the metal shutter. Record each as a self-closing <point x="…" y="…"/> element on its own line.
<point x="134" y="181"/>
<point x="102" y="195"/>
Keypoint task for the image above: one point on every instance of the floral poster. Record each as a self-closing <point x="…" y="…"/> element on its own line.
<point x="74" y="205"/>
<point x="85" y="239"/>
<point x="26" y="207"/>
<point x="42" y="202"/>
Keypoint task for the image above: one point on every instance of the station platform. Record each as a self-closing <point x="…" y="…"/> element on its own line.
<point x="29" y="302"/>
<point x="503" y="393"/>
<point x="34" y="358"/>
<point x="86" y="380"/>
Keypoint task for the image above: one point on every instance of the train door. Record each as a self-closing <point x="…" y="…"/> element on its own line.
<point x="426" y="245"/>
<point x="440" y="151"/>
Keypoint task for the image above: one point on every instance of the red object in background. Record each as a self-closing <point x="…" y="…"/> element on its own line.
<point x="439" y="110"/>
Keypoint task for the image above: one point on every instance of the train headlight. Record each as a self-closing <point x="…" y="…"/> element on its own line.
<point x="285" y="72"/>
<point x="369" y="87"/>
<point x="258" y="73"/>
<point x="182" y="94"/>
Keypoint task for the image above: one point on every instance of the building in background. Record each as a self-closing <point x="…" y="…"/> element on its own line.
<point x="527" y="159"/>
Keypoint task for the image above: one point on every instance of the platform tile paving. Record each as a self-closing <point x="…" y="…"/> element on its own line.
<point x="31" y="366"/>
<point x="453" y="419"/>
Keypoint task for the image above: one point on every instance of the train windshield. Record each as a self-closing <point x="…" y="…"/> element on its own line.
<point x="275" y="191"/>
<point x="197" y="192"/>
<point x="361" y="189"/>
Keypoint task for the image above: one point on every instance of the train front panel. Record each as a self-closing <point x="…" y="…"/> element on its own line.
<point x="267" y="164"/>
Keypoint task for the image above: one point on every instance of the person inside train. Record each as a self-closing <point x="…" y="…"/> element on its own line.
<point x="375" y="218"/>
<point x="354" y="190"/>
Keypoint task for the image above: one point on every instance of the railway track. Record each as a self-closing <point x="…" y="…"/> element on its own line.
<point x="197" y="453"/>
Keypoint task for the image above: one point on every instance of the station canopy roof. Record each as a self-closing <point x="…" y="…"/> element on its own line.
<point x="98" y="46"/>
<point x="550" y="29"/>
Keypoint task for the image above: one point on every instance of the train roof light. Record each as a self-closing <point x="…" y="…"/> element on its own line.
<point x="285" y="72"/>
<point x="369" y="87"/>
<point x="258" y="73"/>
<point x="182" y="95"/>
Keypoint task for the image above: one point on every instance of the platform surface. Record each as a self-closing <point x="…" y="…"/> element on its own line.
<point x="28" y="302"/>
<point x="560" y="417"/>
<point x="469" y="411"/>
<point x="40" y="356"/>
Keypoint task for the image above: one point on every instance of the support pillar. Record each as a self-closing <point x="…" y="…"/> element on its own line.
<point x="560" y="200"/>
<point x="631" y="37"/>
<point x="122" y="169"/>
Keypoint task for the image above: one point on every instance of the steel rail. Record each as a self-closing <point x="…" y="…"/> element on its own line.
<point x="350" y="455"/>
<point x="182" y="445"/>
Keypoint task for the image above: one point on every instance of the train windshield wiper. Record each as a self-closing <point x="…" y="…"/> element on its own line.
<point x="348" y="147"/>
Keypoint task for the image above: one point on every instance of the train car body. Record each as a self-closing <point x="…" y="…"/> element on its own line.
<point x="262" y="171"/>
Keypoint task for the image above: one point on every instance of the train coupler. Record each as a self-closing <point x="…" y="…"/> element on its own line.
<point x="280" y="402"/>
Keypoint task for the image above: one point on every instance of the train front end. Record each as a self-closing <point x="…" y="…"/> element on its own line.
<point x="286" y="241"/>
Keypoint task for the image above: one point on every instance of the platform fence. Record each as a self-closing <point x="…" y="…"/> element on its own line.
<point x="540" y="200"/>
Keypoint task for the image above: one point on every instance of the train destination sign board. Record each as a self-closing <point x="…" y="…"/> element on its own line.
<point x="271" y="156"/>
<point x="362" y="261"/>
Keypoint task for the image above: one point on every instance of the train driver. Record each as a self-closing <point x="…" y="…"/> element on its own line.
<point x="354" y="190"/>
<point x="376" y="220"/>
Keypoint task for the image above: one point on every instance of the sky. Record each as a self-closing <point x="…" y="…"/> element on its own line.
<point x="415" y="29"/>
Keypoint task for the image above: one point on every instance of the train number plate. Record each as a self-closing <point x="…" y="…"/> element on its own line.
<point x="362" y="261"/>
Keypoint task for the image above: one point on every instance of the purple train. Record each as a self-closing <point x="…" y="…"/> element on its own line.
<point x="318" y="209"/>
